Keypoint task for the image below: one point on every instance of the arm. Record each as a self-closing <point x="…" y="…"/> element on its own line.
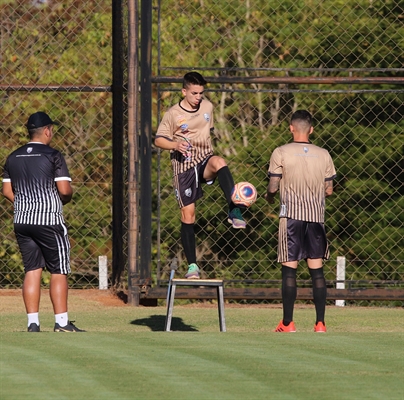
<point x="167" y="144"/>
<point x="330" y="175"/>
<point x="272" y="189"/>
<point x="8" y="191"/>
<point x="65" y="190"/>
<point x="328" y="188"/>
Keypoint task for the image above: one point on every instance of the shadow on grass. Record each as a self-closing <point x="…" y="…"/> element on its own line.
<point x="156" y="323"/>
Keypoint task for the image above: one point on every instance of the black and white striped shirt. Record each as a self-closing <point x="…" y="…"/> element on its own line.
<point x="33" y="171"/>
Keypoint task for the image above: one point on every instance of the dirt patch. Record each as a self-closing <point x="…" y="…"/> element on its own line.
<point x="10" y="292"/>
<point x="109" y="298"/>
<point x="104" y="297"/>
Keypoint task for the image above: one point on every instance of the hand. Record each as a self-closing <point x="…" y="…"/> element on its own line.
<point x="184" y="147"/>
<point x="181" y="147"/>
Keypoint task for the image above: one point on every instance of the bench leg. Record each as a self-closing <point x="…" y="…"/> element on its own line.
<point x="170" y="306"/>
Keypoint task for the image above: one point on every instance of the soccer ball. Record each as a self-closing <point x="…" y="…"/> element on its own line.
<point x="244" y="194"/>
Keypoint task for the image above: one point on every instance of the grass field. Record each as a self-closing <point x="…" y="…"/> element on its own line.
<point x="126" y="354"/>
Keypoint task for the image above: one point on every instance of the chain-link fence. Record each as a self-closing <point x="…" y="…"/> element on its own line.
<point x="324" y="56"/>
<point x="239" y="47"/>
<point x="364" y="216"/>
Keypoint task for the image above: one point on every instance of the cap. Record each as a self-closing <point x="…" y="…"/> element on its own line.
<point x="38" y="120"/>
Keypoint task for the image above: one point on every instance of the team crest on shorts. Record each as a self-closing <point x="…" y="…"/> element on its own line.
<point x="176" y="194"/>
<point x="188" y="192"/>
<point x="207" y="117"/>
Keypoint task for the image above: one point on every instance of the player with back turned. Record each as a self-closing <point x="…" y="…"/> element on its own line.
<point x="36" y="180"/>
<point x="303" y="173"/>
<point x="185" y="131"/>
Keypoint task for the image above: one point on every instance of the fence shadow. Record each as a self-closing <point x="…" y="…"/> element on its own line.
<point x="156" y="323"/>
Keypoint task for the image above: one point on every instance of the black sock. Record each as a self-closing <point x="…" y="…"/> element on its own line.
<point x="289" y="292"/>
<point x="226" y="183"/>
<point x="188" y="242"/>
<point x="319" y="292"/>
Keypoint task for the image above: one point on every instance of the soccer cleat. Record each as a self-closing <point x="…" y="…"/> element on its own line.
<point x="320" y="327"/>
<point x="283" y="328"/>
<point x="193" y="272"/>
<point x="70" y="327"/>
<point x="34" y="328"/>
<point x="236" y="219"/>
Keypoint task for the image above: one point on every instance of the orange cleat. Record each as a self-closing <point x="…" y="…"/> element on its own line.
<point x="283" y="328"/>
<point x="320" y="327"/>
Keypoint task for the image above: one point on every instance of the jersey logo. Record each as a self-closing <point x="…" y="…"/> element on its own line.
<point x="29" y="150"/>
<point x="181" y="120"/>
<point x="305" y="149"/>
<point x="207" y="117"/>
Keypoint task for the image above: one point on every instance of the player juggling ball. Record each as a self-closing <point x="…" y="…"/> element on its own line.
<point x="185" y="131"/>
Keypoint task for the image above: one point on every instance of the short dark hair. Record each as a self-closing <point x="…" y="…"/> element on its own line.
<point x="302" y="116"/>
<point x="193" y="78"/>
<point x="36" y="131"/>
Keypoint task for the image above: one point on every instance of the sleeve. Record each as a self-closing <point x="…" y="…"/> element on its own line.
<point x="212" y="126"/>
<point x="275" y="163"/>
<point x="61" y="170"/>
<point x="6" y="174"/>
<point x="166" y="128"/>
<point x="330" y="172"/>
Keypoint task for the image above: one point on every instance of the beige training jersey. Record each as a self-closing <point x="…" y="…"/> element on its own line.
<point x="303" y="168"/>
<point x="193" y="126"/>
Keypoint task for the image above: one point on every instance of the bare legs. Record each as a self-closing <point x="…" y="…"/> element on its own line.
<point x="58" y="293"/>
<point x="31" y="291"/>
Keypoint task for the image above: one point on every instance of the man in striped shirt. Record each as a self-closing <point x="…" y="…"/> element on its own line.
<point x="303" y="173"/>
<point x="186" y="131"/>
<point x="36" y="180"/>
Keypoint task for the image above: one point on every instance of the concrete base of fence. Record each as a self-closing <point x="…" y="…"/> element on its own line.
<point x="275" y="294"/>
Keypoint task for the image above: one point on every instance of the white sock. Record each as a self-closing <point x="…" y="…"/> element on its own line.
<point x="33" y="318"/>
<point x="62" y="319"/>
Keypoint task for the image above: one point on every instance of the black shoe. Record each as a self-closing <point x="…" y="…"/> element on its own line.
<point x="70" y="327"/>
<point x="34" y="328"/>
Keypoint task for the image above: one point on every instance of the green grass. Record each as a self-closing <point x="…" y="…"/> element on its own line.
<point x="126" y="354"/>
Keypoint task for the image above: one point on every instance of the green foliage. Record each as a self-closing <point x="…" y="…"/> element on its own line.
<point x="282" y="34"/>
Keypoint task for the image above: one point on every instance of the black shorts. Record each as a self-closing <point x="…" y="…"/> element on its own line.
<point x="44" y="246"/>
<point x="188" y="185"/>
<point x="299" y="240"/>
